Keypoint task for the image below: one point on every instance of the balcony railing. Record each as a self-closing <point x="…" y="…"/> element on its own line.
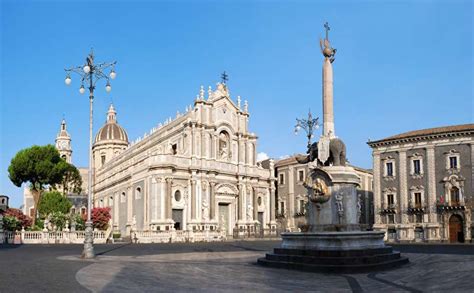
<point x="388" y="208"/>
<point x="450" y="206"/>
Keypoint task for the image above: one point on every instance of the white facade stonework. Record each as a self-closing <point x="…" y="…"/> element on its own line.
<point x="195" y="172"/>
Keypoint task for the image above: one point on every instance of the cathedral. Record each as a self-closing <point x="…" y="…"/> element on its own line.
<point x="197" y="172"/>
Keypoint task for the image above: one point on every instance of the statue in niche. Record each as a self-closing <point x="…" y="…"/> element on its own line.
<point x="359" y="206"/>
<point x="224" y="146"/>
<point x="205" y="210"/>
<point x="249" y="212"/>
<point x="339" y="205"/>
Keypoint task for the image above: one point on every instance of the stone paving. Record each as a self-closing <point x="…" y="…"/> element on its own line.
<point x="236" y="271"/>
<point x="219" y="267"/>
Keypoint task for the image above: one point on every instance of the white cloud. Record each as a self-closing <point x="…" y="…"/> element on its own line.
<point x="262" y="156"/>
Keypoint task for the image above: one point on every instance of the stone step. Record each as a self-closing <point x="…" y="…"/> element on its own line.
<point x="348" y="269"/>
<point x="352" y="260"/>
<point x="333" y="253"/>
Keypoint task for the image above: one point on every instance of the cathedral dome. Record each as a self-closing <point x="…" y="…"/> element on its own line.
<point x="111" y="131"/>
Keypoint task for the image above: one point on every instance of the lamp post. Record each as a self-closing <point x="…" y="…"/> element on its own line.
<point x="90" y="73"/>
<point x="308" y="125"/>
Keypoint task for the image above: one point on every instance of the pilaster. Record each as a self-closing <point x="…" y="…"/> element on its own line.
<point x="403" y="186"/>
<point x="431" y="198"/>
<point x="377" y="188"/>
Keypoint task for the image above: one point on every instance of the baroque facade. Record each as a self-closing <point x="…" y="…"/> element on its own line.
<point x="292" y="195"/>
<point x="195" y="172"/>
<point x="423" y="184"/>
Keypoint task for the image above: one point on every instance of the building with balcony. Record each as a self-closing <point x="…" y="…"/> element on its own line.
<point x="423" y="184"/>
<point x="292" y="195"/>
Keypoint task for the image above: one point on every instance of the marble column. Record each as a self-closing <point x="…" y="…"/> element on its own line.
<point x="255" y="203"/>
<point x="154" y="199"/>
<point x="168" y="197"/>
<point x="240" y="201"/>
<point x="272" y="204"/>
<point x="212" y="205"/>
<point x="193" y="199"/>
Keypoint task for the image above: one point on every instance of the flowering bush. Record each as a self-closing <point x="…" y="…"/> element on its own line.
<point x="21" y="220"/>
<point x="100" y="218"/>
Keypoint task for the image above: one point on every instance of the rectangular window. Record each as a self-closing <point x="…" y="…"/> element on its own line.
<point x="416" y="167"/>
<point x="390" y="169"/>
<point x="390" y="200"/>
<point x="301" y="175"/>
<point x="419" y="218"/>
<point x="282" y="179"/>
<point x="302" y="206"/>
<point x="418" y="200"/>
<point x="391" y="219"/>
<point x="174" y="149"/>
<point x="282" y="207"/>
<point x="102" y="159"/>
<point x="453" y="162"/>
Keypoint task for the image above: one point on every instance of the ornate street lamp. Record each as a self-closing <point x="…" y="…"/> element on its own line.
<point x="308" y="125"/>
<point x="90" y="73"/>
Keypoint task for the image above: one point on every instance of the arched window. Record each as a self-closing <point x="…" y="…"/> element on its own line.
<point x="83" y="211"/>
<point x="454" y="193"/>
<point x="138" y="193"/>
<point x="73" y="210"/>
<point x="111" y="200"/>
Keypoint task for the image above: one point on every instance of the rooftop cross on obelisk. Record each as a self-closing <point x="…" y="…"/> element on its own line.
<point x="328" y="98"/>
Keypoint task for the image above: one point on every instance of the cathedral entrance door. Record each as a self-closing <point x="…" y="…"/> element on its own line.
<point x="455" y="229"/>
<point x="177" y="216"/>
<point x="224" y="217"/>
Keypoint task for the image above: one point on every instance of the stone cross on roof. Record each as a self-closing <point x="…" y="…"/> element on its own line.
<point x="224" y="77"/>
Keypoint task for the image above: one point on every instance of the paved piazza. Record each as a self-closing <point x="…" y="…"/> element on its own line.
<point x="216" y="267"/>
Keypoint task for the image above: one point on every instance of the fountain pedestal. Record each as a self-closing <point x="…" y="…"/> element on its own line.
<point x="335" y="242"/>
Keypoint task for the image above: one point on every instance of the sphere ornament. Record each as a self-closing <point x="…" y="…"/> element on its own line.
<point x="68" y="80"/>
<point x="86" y="69"/>
<point x="82" y="90"/>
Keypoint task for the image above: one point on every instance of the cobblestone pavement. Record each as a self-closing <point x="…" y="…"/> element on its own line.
<point x="217" y="267"/>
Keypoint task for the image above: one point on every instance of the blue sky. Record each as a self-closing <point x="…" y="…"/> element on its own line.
<point x="399" y="66"/>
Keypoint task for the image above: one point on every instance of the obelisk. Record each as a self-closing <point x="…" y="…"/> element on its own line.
<point x="328" y="108"/>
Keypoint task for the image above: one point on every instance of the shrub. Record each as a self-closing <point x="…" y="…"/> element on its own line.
<point x="58" y="219"/>
<point x="100" y="218"/>
<point x="53" y="202"/>
<point x="116" y="235"/>
<point x="80" y="222"/>
<point x="24" y="220"/>
<point x="10" y="223"/>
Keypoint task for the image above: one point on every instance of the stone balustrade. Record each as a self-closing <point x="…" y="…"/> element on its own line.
<point x="177" y="236"/>
<point x="49" y="237"/>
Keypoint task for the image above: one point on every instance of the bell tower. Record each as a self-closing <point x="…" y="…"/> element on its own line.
<point x="63" y="143"/>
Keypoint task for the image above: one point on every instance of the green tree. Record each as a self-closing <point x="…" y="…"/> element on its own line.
<point x="52" y="202"/>
<point x="71" y="181"/>
<point x="38" y="165"/>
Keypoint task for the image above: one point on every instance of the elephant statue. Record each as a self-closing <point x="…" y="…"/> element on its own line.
<point x="337" y="154"/>
<point x="312" y="154"/>
<point x="337" y="150"/>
